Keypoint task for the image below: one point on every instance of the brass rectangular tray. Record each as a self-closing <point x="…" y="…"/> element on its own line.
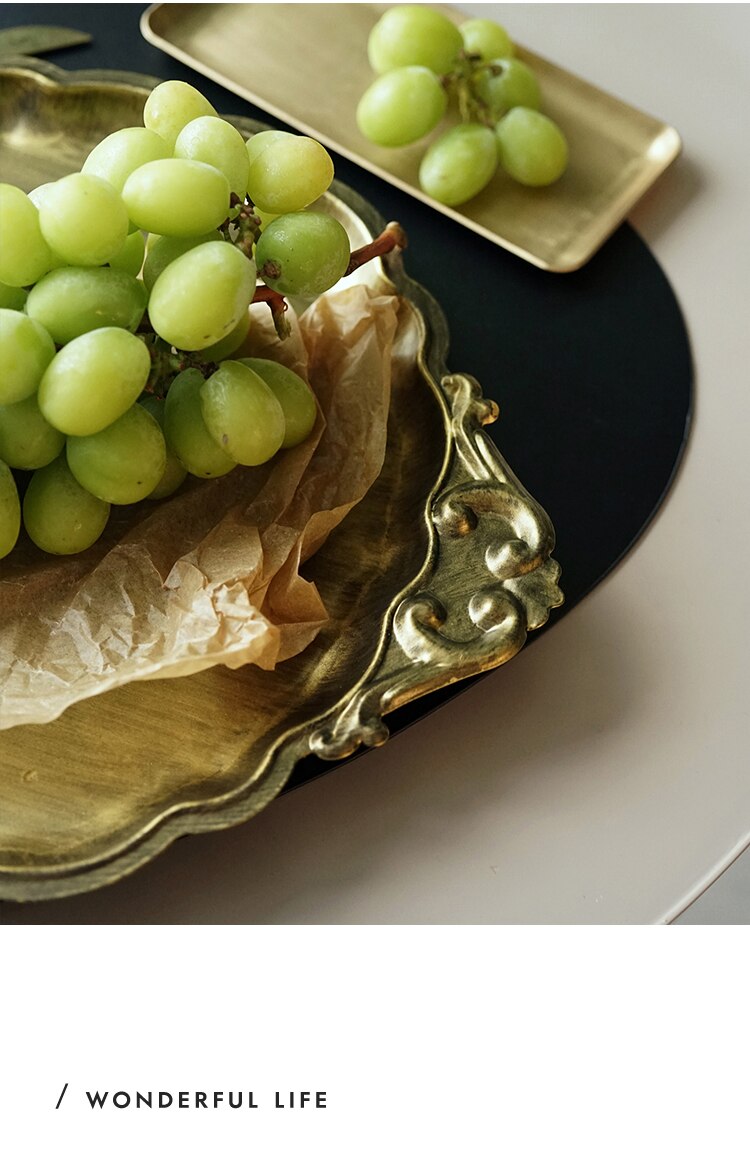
<point x="307" y="65"/>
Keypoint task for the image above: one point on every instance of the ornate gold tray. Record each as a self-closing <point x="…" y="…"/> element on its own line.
<point x="275" y="55"/>
<point x="438" y="574"/>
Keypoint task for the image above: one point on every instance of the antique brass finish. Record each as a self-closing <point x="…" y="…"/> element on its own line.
<point x="487" y="579"/>
<point x="435" y="576"/>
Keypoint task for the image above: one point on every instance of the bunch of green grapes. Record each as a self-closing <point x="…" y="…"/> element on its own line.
<point x="124" y="296"/>
<point x="422" y="59"/>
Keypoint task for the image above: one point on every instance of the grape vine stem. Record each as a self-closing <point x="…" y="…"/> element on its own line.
<point x="392" y="237"/>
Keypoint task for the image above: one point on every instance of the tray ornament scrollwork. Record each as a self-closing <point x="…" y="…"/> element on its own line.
<point x="487" y="581"/>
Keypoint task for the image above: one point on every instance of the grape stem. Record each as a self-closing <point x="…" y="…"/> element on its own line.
<point x="242" y="226"/>
<point x="461" y="83"/>
<point x="391" y="238"/>
<point x="278" y="306"/>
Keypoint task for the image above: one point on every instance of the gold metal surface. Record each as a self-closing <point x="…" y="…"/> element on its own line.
<point x="436" y="575"/>
<point x="33" y="39"/>
<point x="307" y="64"/>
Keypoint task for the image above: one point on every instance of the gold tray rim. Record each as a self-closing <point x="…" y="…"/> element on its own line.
<point x="671" y="148"/>
<point x="411" y="657"/>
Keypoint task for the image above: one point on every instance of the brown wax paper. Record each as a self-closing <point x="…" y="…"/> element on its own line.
<point x="211" y="575"/>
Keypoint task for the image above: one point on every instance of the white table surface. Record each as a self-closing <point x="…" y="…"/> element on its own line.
<point x="604" y="774"/>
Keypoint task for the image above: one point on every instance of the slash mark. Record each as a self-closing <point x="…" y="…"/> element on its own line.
<point x="59" y="1102"/>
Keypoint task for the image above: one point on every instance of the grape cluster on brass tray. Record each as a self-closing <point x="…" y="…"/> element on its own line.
<point x="423" y="61"/>
<point x="437" y="573"/>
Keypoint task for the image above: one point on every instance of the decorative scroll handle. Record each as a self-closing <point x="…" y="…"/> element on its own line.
<point x="487" y="581"/>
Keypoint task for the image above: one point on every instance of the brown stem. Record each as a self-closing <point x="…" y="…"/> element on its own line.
<point x="392" y="237"/>
<point x="278" y="306"/>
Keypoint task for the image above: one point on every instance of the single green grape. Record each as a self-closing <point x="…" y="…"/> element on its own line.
<point x="10" y="511"/>
<point x="130" y="257"/>
<point x="531" y="147"/>
<point x="36" y="195"/>
<point x="162" y="250"/>
<point x="120" y="153"/>
<point x="124" y="462"/>
<point x="295" y="396"/>
<point x="507" y="83"/>
<point x="185" y="430"/>
<point x="485" y="38"/>
<point x="71" y="301"/>
<point x="202" y="296"/>
<point x="24" y="253"/>
<point x="459" y="164"/>
<point x="26" y="350"/>
<point x="174" y="471"/>
<point x="83" y="219"/>
<point x="93" y="380"/>
<point x="218" y="143"/>
<point x="414" y="34"/>
<point x="59" y="515"/>
<point x="402" y="106"/>
<point x="27" y="440"/>
<point x="303" y="253"/>
<point x="171" y="105"/>
<point x="177" y="197"/>
<point x="289" y="173"/>
<point x="260" y="141"/>
<point x="242" y="414"/>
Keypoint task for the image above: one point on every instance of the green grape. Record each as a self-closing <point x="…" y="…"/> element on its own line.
<point x="485" y="38"/>
<point x="120" y="153"/>
<point x="202" y="296"/>
<point x="303" y="254"/>
<point x="459" y="164"/>
<point x="289" y="174"/>
<point x="185" y="431"/>
<point x="401" y="106"/>
<point x="260" y="141"/>
<point x="83" y="219"/>
<point x="13" y="298"/>
<point x="59" y="515"/>
<point x="174" y="472"/>
<point x="231" y="342"/>
<point x="216" y="142"/>
<point x="24" y="253"/>
<point x="130" y="257"/>
<point x="71" y="301"/>
<point x="295" y="396"/>
<point x="124" y="462"/>
<point x="10" y="511"/>
<point x="531" y="147"/>
<point x="514" y="85"/>
<point x="26" y="439"/>
<point x="177" y="197"/>
<point x="172" y="105"/>
<point x="242" y="414"/>
<point x="413" y="34"/>
<point x="93" y="380"/>
<point x="26" y="350"/>
<point x="36" y="195"/>
<point x="162" y="250"/>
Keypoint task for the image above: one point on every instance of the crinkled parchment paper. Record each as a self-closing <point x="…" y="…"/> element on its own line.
<point x="210" y="576"/>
